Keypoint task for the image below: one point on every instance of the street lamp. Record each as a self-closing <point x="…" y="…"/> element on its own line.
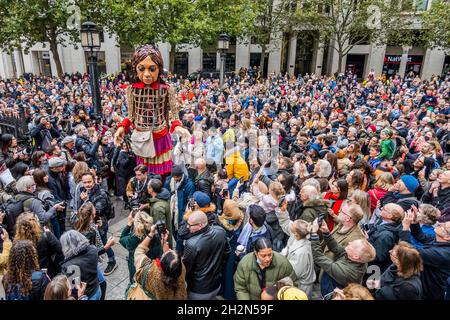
<point x="90" y="41"/>
<point x="223" y="45"/>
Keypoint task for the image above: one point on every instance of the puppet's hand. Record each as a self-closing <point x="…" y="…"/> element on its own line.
<point x="118" y="136"/>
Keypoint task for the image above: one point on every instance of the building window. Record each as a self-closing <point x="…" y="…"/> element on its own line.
<point x="414" y="5"/>
<point x="181" y="66"/>
<point x="230" y="62"/>
<point x="101" y="61"/>
<point x="209" y="61"/>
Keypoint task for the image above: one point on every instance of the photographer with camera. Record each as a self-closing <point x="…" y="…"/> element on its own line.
<point x="159" y="204"/>
<point x="161" y="278"/>
<point x="26" y="200"/>
<point x="92" y="192"/>
<point x="43" y="133"/>
<point x="138" y="197"/>
<point x="138" y="226"/>
<point x="84" y="144"/>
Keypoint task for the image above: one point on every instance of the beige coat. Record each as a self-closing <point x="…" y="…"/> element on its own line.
<point x="299" y="254"/>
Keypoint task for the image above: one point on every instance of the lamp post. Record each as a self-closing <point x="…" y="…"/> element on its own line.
<point x="90" y="41"/>
<point x="223" y="45"/>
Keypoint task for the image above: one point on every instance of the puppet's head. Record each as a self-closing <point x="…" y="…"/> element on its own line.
<point x="147" y="64"/>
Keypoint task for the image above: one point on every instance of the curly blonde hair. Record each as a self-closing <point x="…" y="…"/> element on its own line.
<point x="28" y="228"/>
<point x="142" y="224"/>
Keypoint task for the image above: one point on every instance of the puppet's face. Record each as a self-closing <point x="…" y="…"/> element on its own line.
<point x="147" y="71"/>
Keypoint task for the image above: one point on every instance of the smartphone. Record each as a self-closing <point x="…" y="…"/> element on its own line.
<point x="281" y="201"/>
<point x="161" y="227"/>
<point x="241" y="180"/>
<point x="320" y="219"/>
<point x="225" y="193"/>
<point x="365" y="227"/>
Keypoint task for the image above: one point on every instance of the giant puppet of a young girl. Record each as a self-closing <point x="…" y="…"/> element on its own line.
<point x="149" y="103"/>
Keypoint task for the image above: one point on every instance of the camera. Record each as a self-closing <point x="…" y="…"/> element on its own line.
<point x="225" y="193"/>
<point x="192" y="203"/>
<point x="133" y="204"/>
<point x="161" y="227"/>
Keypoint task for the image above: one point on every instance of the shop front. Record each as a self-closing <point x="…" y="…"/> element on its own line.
<point x="391" y="64"/>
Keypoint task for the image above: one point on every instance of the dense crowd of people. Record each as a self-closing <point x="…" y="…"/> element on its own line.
<point x="308" y="187"/>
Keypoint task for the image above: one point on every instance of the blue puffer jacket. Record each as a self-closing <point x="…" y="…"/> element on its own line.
<point x="185" y="192"/>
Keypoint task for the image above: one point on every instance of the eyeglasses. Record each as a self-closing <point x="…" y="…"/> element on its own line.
<point x="192" y="225"/>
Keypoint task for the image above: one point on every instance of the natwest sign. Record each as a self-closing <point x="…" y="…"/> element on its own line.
<point x="396" y="59"/>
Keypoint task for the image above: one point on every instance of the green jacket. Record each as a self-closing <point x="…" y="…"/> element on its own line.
<point x="246" y="282"/>
<point x="312" y="209"/>
<point x="160" y="211"/>
<point x="130" y="242"/>
<point x="343" y="270"/>
<point x="387" y="149"/>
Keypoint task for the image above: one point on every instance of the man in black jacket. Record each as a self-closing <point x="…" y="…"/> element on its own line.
<point x="384" y="235"/>
<point x="203" y="180"/>
<point x="43" y="134"/>
<point x="58" y="188"/>
<point x="93" y="193"/>
<point x="435" y="255"/>
<point x="204" y="256"/>
<point x="83" y="144"/>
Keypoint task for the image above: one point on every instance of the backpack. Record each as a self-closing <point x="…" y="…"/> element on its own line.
<point x="13" y="208"/>
<point x="109" y="212"/>
<point x="38" y="278"/>
<point x="295" y="210"/>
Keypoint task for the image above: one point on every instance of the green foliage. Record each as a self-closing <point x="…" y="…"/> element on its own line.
<point x="436" y="24"/>
<point x="27" y="22"/>
<point x="195" y="22"/>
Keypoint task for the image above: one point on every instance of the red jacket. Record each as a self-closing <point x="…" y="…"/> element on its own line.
<point x="376" y="194"/>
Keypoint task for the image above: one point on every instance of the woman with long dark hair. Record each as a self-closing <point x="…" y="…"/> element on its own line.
<point x="337" y="195"/>
<point x="7" y="150"/>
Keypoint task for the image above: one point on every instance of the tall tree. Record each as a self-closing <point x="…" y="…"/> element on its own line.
<point x="347" y="23"/>
<point x="196" y="22"/>
<point x="272" y="19"/>
<point x="436" y="24"/>
<point x="27" y="22"/>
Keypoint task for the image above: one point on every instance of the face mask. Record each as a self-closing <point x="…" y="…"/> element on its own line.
<point x="33" y="189"/>
<point x="258" y="261"/>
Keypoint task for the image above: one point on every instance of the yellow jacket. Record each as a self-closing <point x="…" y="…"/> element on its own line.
<point x="236" y="167"/>
<point x="4" y="256"/>
<point x="229" y="136"/>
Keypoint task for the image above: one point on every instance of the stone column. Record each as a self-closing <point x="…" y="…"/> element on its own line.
<point x="403" y="61"/>
<point x="292" y="54"/>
